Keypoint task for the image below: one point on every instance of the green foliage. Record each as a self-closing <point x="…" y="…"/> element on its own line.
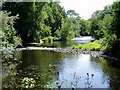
<point x="36" y="19"/>
<point x="70" y="29"/>
<point x="39" y="20"/>
<point x="49" y="39"/>
<point x="105" y="25"/>
<point x="72" y="13"/>
<point x="8" y="43"/>
<point x="92" y="46"/>
<point x="56" y="15"/>
<point x="57" y="34"/>
<point x="28" y="83"/>
<point x="49" y="19"/>
<point x="84" y="26"/>
<point x="7" y="32"/>
<point x="78" y="46"/>
<point x="114" y="31"/>
<point x="94" y="27"/>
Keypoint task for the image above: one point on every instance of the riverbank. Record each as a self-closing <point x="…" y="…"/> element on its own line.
<point x="70" y="50"/>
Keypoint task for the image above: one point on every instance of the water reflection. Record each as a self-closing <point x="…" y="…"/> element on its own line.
<point x="59" y="44"/>
<point x="52" y="69"/>
<point x="80" y="65"/>
<point x="111" y="69"/>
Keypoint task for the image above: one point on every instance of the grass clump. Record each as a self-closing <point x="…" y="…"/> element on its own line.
<point x="92" y="46"/>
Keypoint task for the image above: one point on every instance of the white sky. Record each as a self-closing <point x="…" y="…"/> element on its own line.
<point x="85" y="7"/>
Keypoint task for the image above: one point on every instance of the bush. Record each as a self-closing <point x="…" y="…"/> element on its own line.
<point x="92" y="46"/>
<point x="7" y="35"/>
<point x="28" y="83"/>
<point x="49" y="39"/>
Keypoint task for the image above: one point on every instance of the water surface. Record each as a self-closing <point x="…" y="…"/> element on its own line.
<point x="52" y="69"/>
<point x="69" y="70"/>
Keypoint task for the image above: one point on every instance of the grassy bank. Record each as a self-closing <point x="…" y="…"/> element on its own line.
<point x="92" y="46"/>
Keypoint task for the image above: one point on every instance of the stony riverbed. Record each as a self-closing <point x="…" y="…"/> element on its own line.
<point x="68" y="50"/>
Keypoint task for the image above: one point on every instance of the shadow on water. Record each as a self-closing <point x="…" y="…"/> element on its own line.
<point x="58" y="44"/>
<point x="111" y="69"/>
<point x="65" y="70"/>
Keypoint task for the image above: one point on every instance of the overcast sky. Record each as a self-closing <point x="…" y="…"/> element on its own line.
<point x="85" y="7"/>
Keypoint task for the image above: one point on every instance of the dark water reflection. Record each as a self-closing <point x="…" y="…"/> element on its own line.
<point x="59" y="44"/>
<point x="68" y="70"/>
<point x="62" y="44"/>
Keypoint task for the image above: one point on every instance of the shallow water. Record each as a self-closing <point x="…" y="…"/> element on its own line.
<point x="69" y="70"/>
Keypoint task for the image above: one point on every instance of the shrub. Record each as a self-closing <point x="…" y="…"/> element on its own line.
<point x="92" y="46"/>
<point x="28" y="82"/>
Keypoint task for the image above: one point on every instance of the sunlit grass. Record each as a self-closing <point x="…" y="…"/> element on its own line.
<point x="92" y="46"/>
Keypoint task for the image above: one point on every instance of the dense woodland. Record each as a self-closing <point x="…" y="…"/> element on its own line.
<point x="23" y="23"/>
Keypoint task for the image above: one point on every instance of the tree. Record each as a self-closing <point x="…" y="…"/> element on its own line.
<point x="72" y="13"/>
<point x="56" y="15"/>
<point x="70" y="29"/>
<point x="36" y="19"/>
<point x="84" y="27"/>
<point x="9" y="40"/>
<point x="96" y="17"/>
<point x="105" y="25"/>
<point x="113" y="42"/>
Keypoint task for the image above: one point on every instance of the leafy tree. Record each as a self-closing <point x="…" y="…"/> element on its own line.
<point x="70" y="29"/>
<point x="84" y="27"/>
<point x="113" y="41"/>
<point x="24" y="23"/>
<point x="37" y="19"/>
<point x="94" y="30"/>
<point x="7" y="32"/>
<point x="56" y="15"/>
<point x="105" y="26"/>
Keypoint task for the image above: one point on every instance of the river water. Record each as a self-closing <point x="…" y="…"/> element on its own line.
<point x="52" y="69"/>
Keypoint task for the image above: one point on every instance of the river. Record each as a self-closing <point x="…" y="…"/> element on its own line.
<point x="52" y="69"/>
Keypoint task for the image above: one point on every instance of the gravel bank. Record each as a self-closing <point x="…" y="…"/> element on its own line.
<point x="69" y="50"/>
